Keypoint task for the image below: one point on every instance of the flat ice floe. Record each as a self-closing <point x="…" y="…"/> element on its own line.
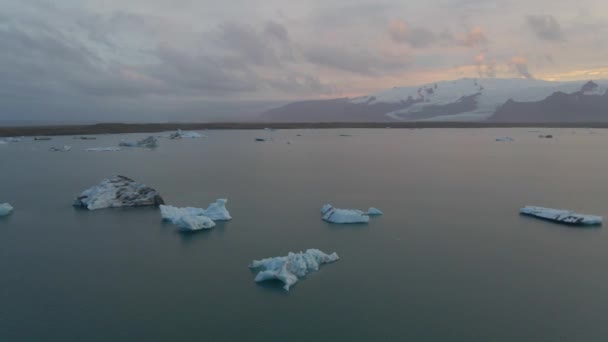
<point x="118" y="191"/>
<point x="505" y="139"/>
<point x="561" y="216"/>
<point x="5" y="209"/>
<point x="335" y="215"/>
<point x="290" y="268"/>
<point x="65" y="148"/>
<point x="149" y="142"/>
<point x="190" y="218"/>
<point x="103" y="149"/>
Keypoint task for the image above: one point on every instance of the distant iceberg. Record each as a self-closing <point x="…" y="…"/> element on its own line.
<point x="335" y="215"/>
<point x="291" y="267"/>
<point x="186" y="218"/>
<point x="149" y="142"/>
<point x="505" y="139"/>
<point x="374" y="211"/>
<point x="5" y="209"/>
<point x="103" y="149"/>
<point x="561" y="216"/>
<point x="196" y="218"/>
<point x="118" y="191"/>
<point x="65" y="148"/>
<point x="9" y="140"/>
<point x="185" y="134"/>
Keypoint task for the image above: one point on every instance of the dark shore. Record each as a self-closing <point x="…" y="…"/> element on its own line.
<point x="117" y="128"/>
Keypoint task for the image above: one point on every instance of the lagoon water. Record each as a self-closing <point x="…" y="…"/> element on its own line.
<point x="451" y="259"/>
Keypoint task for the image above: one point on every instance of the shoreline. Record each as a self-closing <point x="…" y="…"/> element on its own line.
<point x="121" y="128"/>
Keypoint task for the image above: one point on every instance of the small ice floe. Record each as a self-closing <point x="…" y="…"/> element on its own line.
<point x="42" y="138"/>
<point x="11" y="140"/>
<point x="65" y="148"/>
<point x="561" y="216"/>
<point x="185" y="134"/>
<point x="548" y="136"/>
<point x="505" y="139"/>
<point x="149" y="142"/>
<point x="331" y="214"/>
<point x="5" y="209"/>
<point x="263" y="139"/>
<point x="118" y="191"/>
<point x="288" y="269"/>
<point x="374" y="211"/>
<point x="345" y="135"/>
<point x="103" y="149"/>
<point x="84" y="137"/>
<point x="196" y="218"/>
<point x="270" y="129"/>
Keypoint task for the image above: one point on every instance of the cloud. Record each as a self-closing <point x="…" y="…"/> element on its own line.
<point x="475" y="37"/>
<point x="520" y="65"/>
<point x="545" y="27"/>
<point x="418" y="37"/>
<point x="485" y="67"/>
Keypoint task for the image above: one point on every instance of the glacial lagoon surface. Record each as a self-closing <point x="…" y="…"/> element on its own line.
<point x="450" y="260"/>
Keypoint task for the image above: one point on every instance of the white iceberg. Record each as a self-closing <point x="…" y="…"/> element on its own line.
<point x="335" y="215"/>
<point x="291" y="267"/>
<point x="217" y="210"/>
<point x="149" y="142"/>
<point x="561" y="216"/>
<point x="103" y="149"/>
<point x="65" y="148"/>
<point x="186" y="218"/>
<point x="5" y="209"/>
<point x="185" y="134"/>
<point x="118" y="191"/>
<point x="505" y="139"/>
<point x="374" y="211"/>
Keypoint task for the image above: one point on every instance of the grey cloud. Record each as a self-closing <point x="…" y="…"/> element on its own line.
<point x="520" y="66"/>
<point x="355" y="60"/>
<point x="545" y="27"/>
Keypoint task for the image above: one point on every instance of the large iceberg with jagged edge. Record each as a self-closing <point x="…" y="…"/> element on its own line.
<point x="290" y="268"/>
<point x="190" y="218"/>
<point x="561" y="216"/>
<point x="336" y="215"/>
<point x="5" y="209"/>
<point x="118" y="191"/>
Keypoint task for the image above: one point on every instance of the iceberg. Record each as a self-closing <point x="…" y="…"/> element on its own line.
<point x="5" y="209"/>
<point x="65" y="148"/>
<point x="42" y="138"/>
<point x="335" y="215"/>
<point x="189" y="218"/>
<point x="505" y="139"/>
<point x="374" y="211"/>
<point x="118" y="191"/>
<point x="561" y="216"/>
<point x="290" y="268"/>
<point x="10" y="140"/>
<point x="103" y="149"/>
<point x="149" y="142"/>
<point x="185" y="134"/>
<point x="186" y="218"/>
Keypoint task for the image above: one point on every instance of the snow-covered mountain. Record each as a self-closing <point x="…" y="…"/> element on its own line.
<point x="465" y="99"/>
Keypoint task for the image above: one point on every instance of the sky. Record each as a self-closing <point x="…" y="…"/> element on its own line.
<point x="126" y="58"/>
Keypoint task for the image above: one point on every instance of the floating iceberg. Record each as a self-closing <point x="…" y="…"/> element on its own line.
<point x="196" y="218"/>
<point x="263" y="139"/>
<point x="291" y="267"/>
<point x="10" y="140"/>
<point x="84" y="137"/>
<point x="65" y="148"/>
<point x="118" y="191"/>
<point x="374" y="211"/>
<point x="103" y="149"/>
<point x="185" y="134"/>
<point x="186" y="218"/>
<point x="505" y="139"/>
<point x="335" y="215"/>
<point x="149" y="142"/>
<point x="42" y="138"/>
<point x="5" y="209"/>
<point x="561" y="216"/>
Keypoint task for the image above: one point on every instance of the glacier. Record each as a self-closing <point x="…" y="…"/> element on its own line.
<point x="5" y="209"/>
<point x="288" y="269"/>
<point x="118" y="191"/>
<point x="561" y="216"/>
<point x="190" y="218"/>
<point x="336" y="215"/>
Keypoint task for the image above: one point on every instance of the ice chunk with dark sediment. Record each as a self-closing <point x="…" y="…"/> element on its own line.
<point x="561" y="216"/>
<point x="289" y="269"/>
<point x="505" y="139"/>
<point x="118" y="191"/>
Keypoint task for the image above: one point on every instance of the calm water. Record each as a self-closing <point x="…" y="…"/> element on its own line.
<point x="451" y="260"/>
